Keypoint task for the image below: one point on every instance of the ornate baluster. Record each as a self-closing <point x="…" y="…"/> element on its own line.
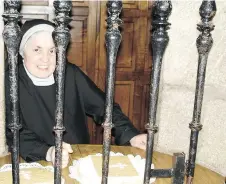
<point x="113" y="39"/>
<point x="11" y="35"/>
<point x="204" y="44"/>
<point x="160" y="39"/>
<point x="61" y="37"/>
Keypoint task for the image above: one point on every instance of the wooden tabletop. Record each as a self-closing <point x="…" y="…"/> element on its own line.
<point x="160" y="160"/>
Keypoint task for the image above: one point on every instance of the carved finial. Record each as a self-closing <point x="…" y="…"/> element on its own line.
<point x="62" y="9"/>
<point x="160" y="25"/>
<point x="161" y="13"/>
<point x="11" y="33"/>
<point x="62" y="20"/>
<point x="114" y="9"/>
<point x="12" y="6"/>
<point x="207" y="12"/>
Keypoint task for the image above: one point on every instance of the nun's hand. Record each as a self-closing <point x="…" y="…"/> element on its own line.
<point x="65" y="154"/>
<point x="139" y="141"/>
<point x="66" y="149"/>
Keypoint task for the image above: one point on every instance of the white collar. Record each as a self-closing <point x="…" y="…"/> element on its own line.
<point x="39" y="81"/>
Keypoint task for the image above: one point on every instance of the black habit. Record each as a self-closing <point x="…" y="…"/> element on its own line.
<point x="37" y="113"/>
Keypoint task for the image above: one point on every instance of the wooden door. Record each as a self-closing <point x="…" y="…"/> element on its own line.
<point x="133" y="62"/>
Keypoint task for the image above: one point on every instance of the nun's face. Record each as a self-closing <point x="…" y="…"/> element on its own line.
<point x="40" y="55"/>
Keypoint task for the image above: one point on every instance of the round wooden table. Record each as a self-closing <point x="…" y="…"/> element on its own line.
<point x="160" y="160"/>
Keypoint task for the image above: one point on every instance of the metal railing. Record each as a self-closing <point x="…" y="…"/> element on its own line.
<point x="159" y="40"/>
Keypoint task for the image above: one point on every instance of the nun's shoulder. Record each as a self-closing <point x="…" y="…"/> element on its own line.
<point x="73" y="69"/>
<point x="71" y="66"/>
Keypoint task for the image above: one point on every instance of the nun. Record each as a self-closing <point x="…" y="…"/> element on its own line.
<point x="37" y="97"/>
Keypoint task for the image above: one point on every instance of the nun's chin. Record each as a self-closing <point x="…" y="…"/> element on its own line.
<point x="43" y="73"/>
<point x="44" y="76"/>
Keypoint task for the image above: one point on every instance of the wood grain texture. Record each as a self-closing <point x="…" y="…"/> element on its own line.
<point x="160" y="160"/>
<point x="131" y="61"/>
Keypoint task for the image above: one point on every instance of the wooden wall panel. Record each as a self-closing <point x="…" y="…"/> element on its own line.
<point x="27" y="16"/>
<point x="78" y="45"/>
<point x="130" y="4"/>
<point x="148" y="60"/>
<point x="82" y="49"/>
<point x="132" y="75"/>
<point x="35" y="12"/>
<point x="35" y="3"/>
<point x="77" y="3"/>
<point x="127" y="51"/>
<point x="145" y="106"/>
<point x="125" y="92"/>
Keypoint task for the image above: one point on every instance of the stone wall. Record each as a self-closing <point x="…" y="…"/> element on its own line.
<point x="178" y="81"/>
